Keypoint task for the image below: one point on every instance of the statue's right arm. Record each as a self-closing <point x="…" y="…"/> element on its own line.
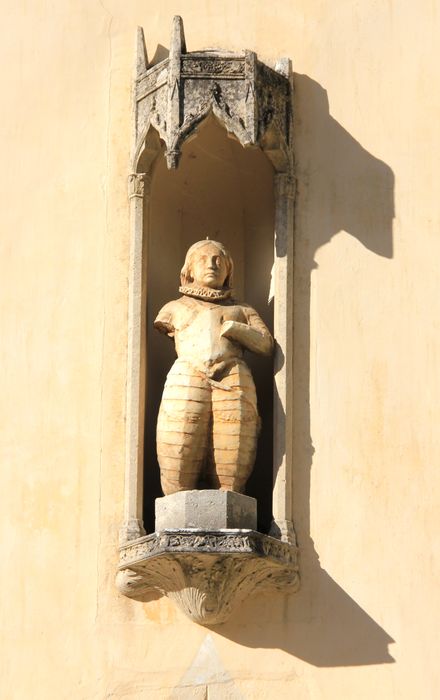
<point x="164" y="321"/>
<point x="253" y="335"/>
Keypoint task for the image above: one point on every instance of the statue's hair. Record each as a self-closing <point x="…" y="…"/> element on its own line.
<point x="185" y="273"/>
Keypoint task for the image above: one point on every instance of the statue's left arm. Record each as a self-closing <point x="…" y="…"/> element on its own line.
<point x="253" y="335"/>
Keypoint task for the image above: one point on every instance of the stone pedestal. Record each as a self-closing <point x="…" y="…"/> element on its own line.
<point x="206" y="510"/>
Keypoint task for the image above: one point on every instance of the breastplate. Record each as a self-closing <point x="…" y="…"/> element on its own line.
<point x="199" y="340"/>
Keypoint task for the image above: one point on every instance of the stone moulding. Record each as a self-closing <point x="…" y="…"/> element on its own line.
<point x="207" y="573"/>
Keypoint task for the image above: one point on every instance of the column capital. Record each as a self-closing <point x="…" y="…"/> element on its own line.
<point x="283" y="530"/>
<point x="139" y="184"/>
<point x="131" y="529"/>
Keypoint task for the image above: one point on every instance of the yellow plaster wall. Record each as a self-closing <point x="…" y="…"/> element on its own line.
<point x="367" y="378"/>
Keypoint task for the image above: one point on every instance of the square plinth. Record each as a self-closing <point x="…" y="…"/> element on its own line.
<point x="206" y="510"/>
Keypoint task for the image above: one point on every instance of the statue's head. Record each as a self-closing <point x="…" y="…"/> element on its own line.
<point x="208" y="264"/>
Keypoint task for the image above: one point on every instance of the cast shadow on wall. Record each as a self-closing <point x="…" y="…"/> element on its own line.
<point x="338" y="181"/>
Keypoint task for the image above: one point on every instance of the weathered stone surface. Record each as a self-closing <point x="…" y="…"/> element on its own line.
<point x="207" y="574"/>
<point x="249" y="98"/>
<point x="207" y="509"/>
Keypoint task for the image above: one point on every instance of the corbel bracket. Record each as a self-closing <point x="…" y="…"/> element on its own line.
<point x="207" y="573"/>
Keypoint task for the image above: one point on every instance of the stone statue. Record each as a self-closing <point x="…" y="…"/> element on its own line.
<point x="208" y="421"/>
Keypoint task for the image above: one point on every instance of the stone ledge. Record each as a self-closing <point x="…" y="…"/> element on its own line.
<point x="207" y="573"/>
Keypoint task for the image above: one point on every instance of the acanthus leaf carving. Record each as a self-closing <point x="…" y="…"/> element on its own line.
<point x="196" y="570"/>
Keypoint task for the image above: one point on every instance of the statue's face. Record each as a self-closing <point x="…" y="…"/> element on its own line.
<point x="209" y="267"/>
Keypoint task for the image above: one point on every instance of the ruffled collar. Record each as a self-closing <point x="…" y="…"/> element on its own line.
<point x="205" y="292"/>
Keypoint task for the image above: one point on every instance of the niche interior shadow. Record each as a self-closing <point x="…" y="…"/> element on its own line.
<point x="223" y="191"/>
<point x="340" y="186"/>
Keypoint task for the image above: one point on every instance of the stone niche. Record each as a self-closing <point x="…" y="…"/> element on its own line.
<point x="212" y="155"/>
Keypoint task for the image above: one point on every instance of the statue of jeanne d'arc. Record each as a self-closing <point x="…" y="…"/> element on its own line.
<point x="208" y="421"/>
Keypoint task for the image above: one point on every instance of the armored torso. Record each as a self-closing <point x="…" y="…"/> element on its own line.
<point x="195" y="326"/>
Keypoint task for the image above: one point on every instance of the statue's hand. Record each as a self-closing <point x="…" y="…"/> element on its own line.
<point x="231" y="330"/>
<point x="251" y="338"/>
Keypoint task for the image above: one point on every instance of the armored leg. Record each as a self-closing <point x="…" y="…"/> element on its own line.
<point x="183" y="428"/>
<point x="235" y="429"/>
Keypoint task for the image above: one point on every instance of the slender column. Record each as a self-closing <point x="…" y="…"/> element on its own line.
<point x="133" y="527"/>
<point x="282" y="525"/>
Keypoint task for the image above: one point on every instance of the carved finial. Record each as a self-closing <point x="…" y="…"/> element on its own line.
<point x="177" y="47"/>
<point x="284" y="67"/>
<point x="177" y="43"/>
<point x="141" y="53"/>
